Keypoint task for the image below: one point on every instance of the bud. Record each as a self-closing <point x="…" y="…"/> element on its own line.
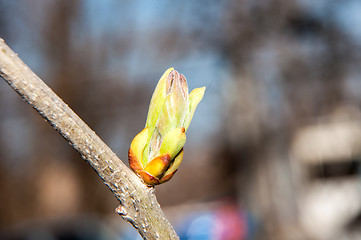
<point x="157" y="151"/>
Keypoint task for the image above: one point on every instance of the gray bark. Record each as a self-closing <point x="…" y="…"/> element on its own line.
<point x="138" y="203"/>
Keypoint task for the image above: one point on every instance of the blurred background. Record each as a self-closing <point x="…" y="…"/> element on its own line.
<point x="274" y="148"/>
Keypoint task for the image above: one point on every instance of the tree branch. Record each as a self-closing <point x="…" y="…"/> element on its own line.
<point x="138" y="204"/>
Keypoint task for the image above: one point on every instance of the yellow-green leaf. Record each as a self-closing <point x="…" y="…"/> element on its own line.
<point x="194" y="98"/>
<point x="173" y="142"/>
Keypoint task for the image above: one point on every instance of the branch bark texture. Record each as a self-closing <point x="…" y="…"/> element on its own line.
<point x="138" y="204"/>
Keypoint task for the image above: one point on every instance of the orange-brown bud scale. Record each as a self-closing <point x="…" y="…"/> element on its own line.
<point x="158" y="165"/>
<point x="133" y="161"/>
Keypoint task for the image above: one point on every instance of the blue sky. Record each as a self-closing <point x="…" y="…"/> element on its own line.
<point x="141" y="20"/>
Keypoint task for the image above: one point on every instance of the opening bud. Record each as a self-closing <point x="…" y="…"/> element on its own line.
<point x="157" y="151"/>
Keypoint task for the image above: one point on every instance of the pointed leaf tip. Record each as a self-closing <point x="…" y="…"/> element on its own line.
<point x="194" y="98"/>
<point x="157" y="100"/>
